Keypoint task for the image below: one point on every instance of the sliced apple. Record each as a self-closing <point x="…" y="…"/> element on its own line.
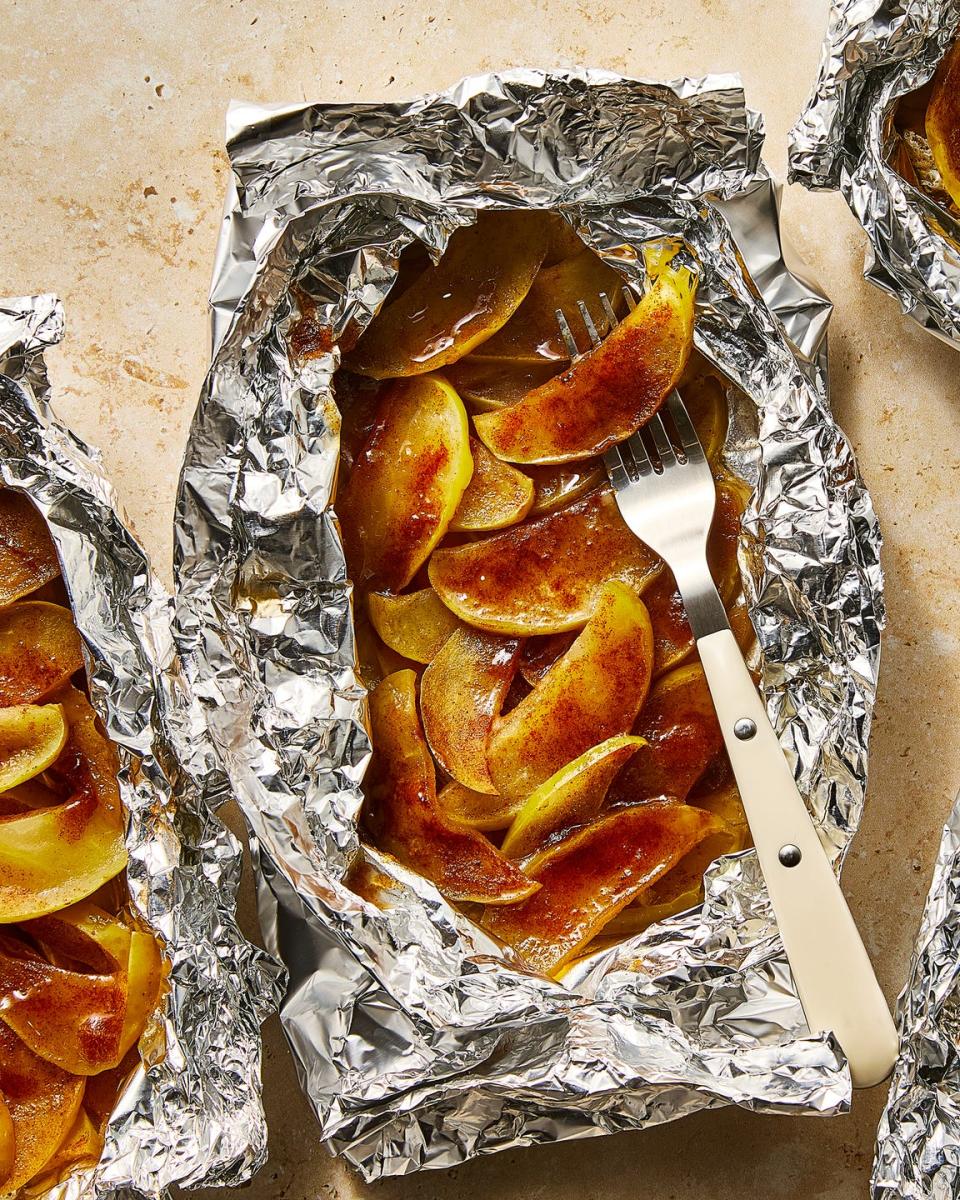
<point x="593" y="693"/>
<point x="403" y="817"/>
<point x="81" y="1147"/>
<point x="608" y="394"/>
<point x="943" y="122"/>
<point x="587" y="878"/>
<point x="555" y="487"/>
<point x="497" y="494"/>
<point x="563" y="240"/>
<point x="733" y="495"/>
<point x="479" y="810"/>
<point x="680" y="726"/>
<point x="461" y="694"/>
<point x="738" y="613"/>
<point x="539" y="654"/>
<point x="452" y="307"/>
<point x="406" y="484"/>
<point x="672" y="635"/>
<point x="543" y="576"/>
<point x="31" y="738"/>
<point x="725" y="802"/>
<point x="486" y="384"/>
<point x="39" y="650"/>
<point x="573" y="796"/>
<point x="532" y="333"/>
<point x="706" y="403"/>
<point x="28" y="558"/>
<point x="8" y="1143"/>
<point x="415" y="625"/>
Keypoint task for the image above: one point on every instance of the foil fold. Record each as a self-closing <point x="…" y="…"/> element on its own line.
<point x="874" y="52"/>
<point x="418" y="1040"/>
<point x="192" y="1112"/>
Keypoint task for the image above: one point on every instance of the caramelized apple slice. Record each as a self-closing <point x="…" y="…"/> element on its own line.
<point x="415" y="625"/>
<point x="680" y="726"/>
<point x="42" y="1102"/>
<point x="486" y="384"/>
<point x="403" y="817"/>
<point x="461" y="694"/>
<point x="593" y="693"/>
<point x="706" y="403"/>
<point x="555" y="487"/>
<point x="725" y="802"/>
<point x="672" y="635"/>
<point x="497" y="494"/>
<point x="81" y="1147"/>
<point x="52" y="857"/>
<point x="591" y="875"/>
<point x="543" y="576"/>
<point x="39" y="650"/>
<point x="539" y="654"/>
<point x="406" y="484"/>
<point x="943" y="122"/>
<point x="31" y="738"/>
<point x="479" y="810"/>
<point x="532" y="334"/>
<point x="573" y="796"/>
<point x="28" y="559"/>
<point x="452" y="307"/>
<point x="605" y="395"/>
<point x="8" y="1147"/>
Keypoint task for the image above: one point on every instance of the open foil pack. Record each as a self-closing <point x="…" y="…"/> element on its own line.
<point x="194" y="1116"/>
<point x="419" y="1041"/>
<point x="874" y="52"/>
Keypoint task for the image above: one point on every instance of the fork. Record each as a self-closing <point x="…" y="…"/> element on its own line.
<point x="666" y="494"/>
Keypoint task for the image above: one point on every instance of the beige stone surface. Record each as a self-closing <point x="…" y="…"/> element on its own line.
<point x="111" y="128"/>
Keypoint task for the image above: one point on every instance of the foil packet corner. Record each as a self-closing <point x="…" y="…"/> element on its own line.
<point x="194" y="1116"/>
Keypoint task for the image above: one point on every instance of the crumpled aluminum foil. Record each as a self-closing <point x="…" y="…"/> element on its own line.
<point x="874" y="52"/>
<point x="194" y="1116"/>
<point x="918" y="1145"/>
<point x="418" y="1040"/>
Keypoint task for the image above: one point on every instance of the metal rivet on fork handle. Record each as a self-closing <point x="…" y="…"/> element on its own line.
<point x="744" y="729"/>
<point x="790" y="855"/>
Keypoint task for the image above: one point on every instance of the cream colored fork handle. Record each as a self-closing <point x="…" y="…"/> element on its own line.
<point x="830" y="965"/>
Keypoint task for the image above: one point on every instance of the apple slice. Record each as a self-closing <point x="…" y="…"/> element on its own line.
<point x="28" y="558"/>
<point x="725" y="803"/>
<point x="403" y="817"/>
<point x="81" y="1147"/>
<point x="587" y="878"/>
<point x="593" y="693"/>
<point x="706" y="403"/>
<point x="406" y="484"/>
<point x="31" y="738"/>
<point x="608" y="394"/>
<point x="540" y="653"/>
<point x="479" y="810"/>
<point x="485" y="384"/>
<point x="543" y="576"/>
<point x="573" y="796"/>
<point x="39" y="650"/>
<point x="497" y="494"/>
<point x="414" y="625"/>
<point x="679" y="724"/>
<point x="943" y="122"/>
<point x="461" y="694"/>
<point x="8" y="1143"/>
<point x="555" y="487"/>
<point x="452" y="307"/>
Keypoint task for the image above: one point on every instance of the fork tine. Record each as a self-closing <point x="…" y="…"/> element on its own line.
<point x="685" y="427"/>
<point x="591" y="329"/>
<point x="630" y="298"/>
<point x="617" y="471"/>
<point x="662" y="441"/>
<point x="567" y="334"/>
<point x="638" y="452"/>
<point x="608" y="310"/>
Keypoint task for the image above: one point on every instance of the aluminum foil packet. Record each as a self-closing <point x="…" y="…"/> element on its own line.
<point x="420" y="1042"/>
<point x="193" y="1115"/>
<point x="918" y="1146"/>
<point x="874" y="52"/>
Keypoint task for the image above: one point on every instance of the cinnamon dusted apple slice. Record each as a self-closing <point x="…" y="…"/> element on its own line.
<point x="8" y="1147"/>
<point x="461" y="694"/>
<point x="532" y="334"/>
<point x="39" y="650"/>
<point x="725" y="802"/>
<point x="679" y="724"/>
<point x="42" y="1102"/>
<point x="31" y="738"/>
<point x="81" y="1147"/>
<point x="543" y="576"/>
<point x="539" y="654"/>
<point x="52" y="857"/>
<point x="497" y="494"/>
<point x="414" y="625"/>
<point x="452" y="307"/>
<point x="943" y="122"/>
<point x="28" y="559"/>
<point x="593" y="693"/>
<point x="403" y="816"/>
<point x="573" y="796"/>
<point x="587" y="878"/>
<point x="607" y="394"/>
<point x="479" y="810"/>
<point x="406" y="483"/>
<point x="557" y="486"/>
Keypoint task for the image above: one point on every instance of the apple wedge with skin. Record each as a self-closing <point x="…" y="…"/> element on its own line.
<point x="454" y="306"/>
<point x="406" y="484"/>
<point x="605" y="395"/>
<point x="28" y="558"/>
<point x="593" y="693"/>
<point x="543" y="576"/>
<point x="556" y="487"/>
<point x="479" y="810"/>
<point x="39" y="650"/>
<point x="573" y="796"/>
<point x="403" y="817"/>
<point x="414" y="625"/>
<point x="587" y="878"/>
<point x="943" y="122"/>
<point x="461" y="694"/>
<point x="497" y="495"/>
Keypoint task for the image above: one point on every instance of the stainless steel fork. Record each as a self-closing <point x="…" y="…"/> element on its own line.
<point x="666" y="495"/>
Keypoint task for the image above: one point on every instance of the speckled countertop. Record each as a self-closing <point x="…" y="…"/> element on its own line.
<point x="111" y="193"/>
